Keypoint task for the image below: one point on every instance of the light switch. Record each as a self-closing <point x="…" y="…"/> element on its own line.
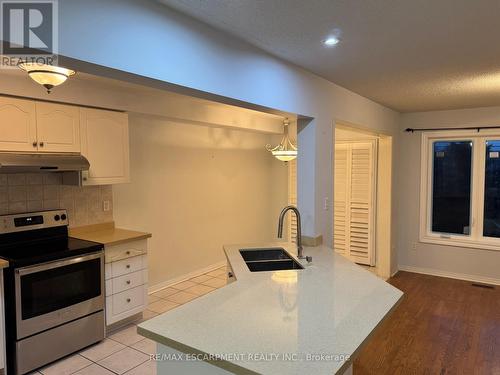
<point x="326" y="204"/>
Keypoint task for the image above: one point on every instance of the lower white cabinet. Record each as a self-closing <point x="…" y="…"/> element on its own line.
<point x="132" y="280"/>
<point x="126" y="277"/>
<point x="129" y="300"/>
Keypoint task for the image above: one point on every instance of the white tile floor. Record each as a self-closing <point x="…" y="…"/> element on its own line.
<point x="125" y="351"/>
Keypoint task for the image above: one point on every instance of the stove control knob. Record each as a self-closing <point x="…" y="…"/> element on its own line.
<point x="57" y="218"/>
<point x="63" y="217"/>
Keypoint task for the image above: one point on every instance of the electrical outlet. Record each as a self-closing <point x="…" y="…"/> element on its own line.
<point x="105" y="206"/>
<point x="414" y="246"/>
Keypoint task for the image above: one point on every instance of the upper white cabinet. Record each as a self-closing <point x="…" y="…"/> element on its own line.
<point x="17" y="125"/>
<point x="105" y="143"/>
<point x="29" y="126"/>
<point x="99" y="135"/>
<point x="58" y="127"/>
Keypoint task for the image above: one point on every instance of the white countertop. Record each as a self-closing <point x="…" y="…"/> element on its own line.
<point x="328" y="308"/>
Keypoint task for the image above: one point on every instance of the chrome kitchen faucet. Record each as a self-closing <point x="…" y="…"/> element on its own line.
<point x="299" y="230"/>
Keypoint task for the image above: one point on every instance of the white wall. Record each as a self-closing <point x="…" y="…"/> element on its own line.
<point x="90" y="90"/>
<point x="342" y="134"/>
<point x="148" y="39"/>
<point x="197" y="188"/>
<point x="444" y="260"/>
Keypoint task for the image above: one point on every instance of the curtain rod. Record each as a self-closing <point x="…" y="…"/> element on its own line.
<point x="478" y="128"/>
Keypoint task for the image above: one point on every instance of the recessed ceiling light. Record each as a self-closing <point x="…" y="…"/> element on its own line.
<point x="331" y="41"/>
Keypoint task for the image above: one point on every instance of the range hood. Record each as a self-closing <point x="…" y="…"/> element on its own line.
<point x="36" y="163"/>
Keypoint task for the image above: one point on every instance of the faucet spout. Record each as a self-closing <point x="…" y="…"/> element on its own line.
<point x="299" y="227"/>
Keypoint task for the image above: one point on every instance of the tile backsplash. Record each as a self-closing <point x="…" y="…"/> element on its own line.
<point x="45" y="191"/>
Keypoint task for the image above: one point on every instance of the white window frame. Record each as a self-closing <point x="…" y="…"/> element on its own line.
<point x="476" y="238"/>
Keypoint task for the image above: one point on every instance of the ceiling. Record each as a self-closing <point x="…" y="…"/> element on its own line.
<point x="407" y="55"/>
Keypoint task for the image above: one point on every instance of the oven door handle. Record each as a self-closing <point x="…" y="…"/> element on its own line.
<point x="60" y="263"/>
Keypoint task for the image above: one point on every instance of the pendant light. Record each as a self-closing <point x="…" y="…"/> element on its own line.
<point x="286" y="150"/>
<point x="48" y="76"/>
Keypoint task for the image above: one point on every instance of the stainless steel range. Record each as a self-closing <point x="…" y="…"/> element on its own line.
<point x="53" y="287"/>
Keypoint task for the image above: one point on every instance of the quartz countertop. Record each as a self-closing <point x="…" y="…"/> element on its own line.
<point x="311" y="318"/>
<point x="107" y="234"/>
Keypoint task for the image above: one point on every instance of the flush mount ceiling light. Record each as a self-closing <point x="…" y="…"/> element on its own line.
<point x="48" y="76"/>
<point x="286" y="150"/>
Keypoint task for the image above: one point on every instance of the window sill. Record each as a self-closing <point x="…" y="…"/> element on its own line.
<point x="458" y="242"/>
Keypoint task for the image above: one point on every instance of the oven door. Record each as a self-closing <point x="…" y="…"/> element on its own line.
<point x="54" y="293"/>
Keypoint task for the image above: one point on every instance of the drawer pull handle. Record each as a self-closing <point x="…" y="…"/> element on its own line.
<point x="128" y="300"/>
<point x="128" y="252"/>
<point x="35" y="143"/>
<point x="128" y="265"/>
<point x="128" y="282"/>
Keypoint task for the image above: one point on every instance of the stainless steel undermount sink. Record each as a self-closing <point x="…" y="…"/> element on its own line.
<point x="271" y="259"/>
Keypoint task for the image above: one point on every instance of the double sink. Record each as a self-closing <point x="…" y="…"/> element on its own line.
<point x="269" y="259"/>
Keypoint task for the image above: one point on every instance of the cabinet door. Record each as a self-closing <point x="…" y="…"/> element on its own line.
<point x="58" y="127"/>
<point x="17" y="125"/>
<point x="105" y="144"/>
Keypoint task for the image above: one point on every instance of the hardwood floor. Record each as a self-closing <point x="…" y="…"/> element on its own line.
<point x="442" y="326"/>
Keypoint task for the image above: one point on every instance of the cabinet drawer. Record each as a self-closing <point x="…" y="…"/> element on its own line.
<point x="129" y="265"/>
<point x="125" y="250"/>
<point x="127" y="300"/>
<point x="129" y="281"/>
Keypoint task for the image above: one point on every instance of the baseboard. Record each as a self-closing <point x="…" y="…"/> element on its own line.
<point x="176" y="280"/>
<point x="122" y="323"/>
<point x="451" y="275"/>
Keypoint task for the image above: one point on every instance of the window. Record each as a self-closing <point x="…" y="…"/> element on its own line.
<point x="460" y="189"/>
<point x="451" y="186"/>
<point x="491" y="224"/>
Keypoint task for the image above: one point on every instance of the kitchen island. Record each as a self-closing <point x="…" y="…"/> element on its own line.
<point x="308" y="321"/>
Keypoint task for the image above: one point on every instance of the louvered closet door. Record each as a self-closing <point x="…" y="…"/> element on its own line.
<point x="340" y="212"/>
<point x="361" y="203"/>
<point x="354" y="233"/>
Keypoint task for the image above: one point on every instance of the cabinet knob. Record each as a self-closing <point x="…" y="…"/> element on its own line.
<point x="128" y="265"/>
<point x="35" y="143"/>
<point x="128" y="282"/>
<point x="41" y="144"/>
<point x="127" y="252"/>
<point x="128" y="299"/>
